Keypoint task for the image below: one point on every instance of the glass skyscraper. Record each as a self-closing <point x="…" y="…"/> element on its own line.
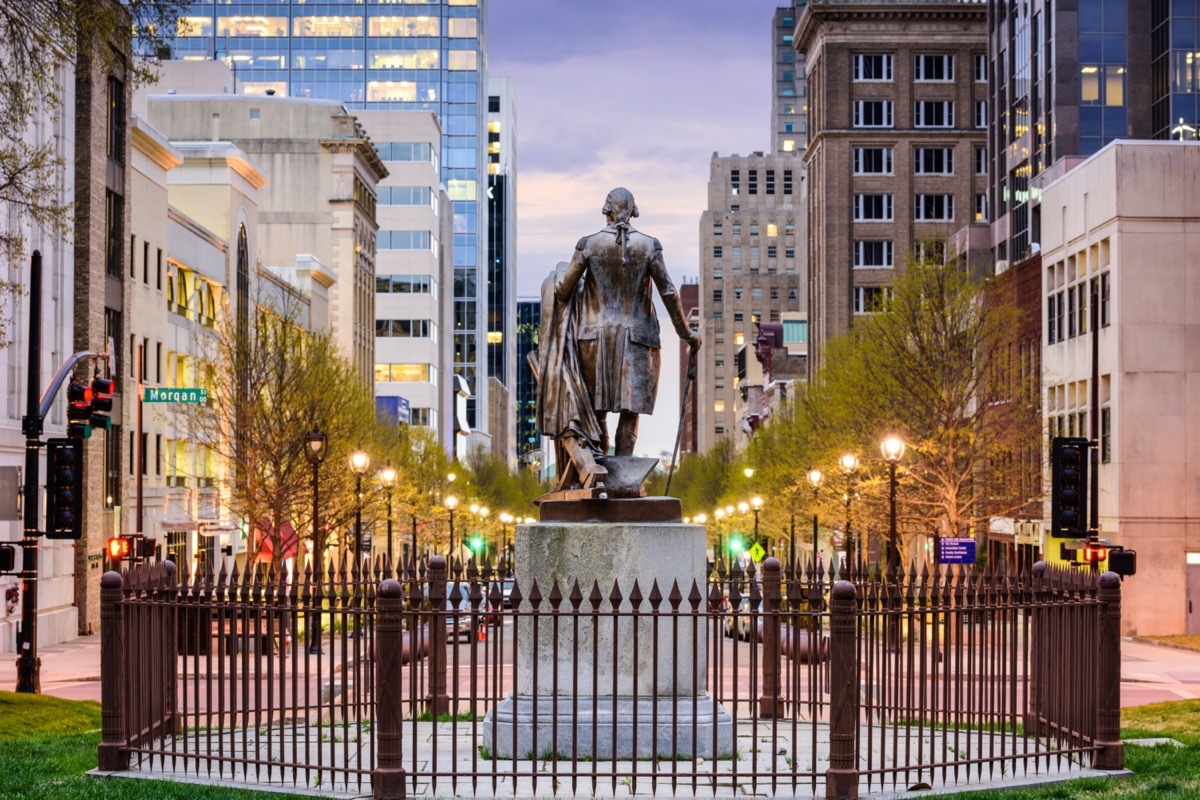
<point x="386" y="54"/>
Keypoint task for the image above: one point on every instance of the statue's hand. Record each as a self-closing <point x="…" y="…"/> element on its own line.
<point x="694" y="343"/>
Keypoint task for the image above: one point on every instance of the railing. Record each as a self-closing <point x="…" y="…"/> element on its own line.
<point x="351" y="678"/>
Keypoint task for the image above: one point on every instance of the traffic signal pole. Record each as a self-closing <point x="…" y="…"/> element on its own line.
<point x="29" y="666"/>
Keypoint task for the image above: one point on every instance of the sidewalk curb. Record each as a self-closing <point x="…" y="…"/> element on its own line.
<point x="1168" y="645"/>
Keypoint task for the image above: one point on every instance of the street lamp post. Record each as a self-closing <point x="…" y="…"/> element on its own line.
<point x="756" y="504"/>
<point x="849" y="463"/>
<point x="358" y="463"/>
<point x="814" y="480"/>
<point x="388" y="475"/>
<point x="451" y="503"/>
<point x="315" y="453"/>
<point x="506" y="519"/>
<point x="892" y="448"/>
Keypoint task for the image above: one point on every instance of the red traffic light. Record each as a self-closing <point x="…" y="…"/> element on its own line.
<point x="1093" y="553"/>
<point x="118" y="548"/>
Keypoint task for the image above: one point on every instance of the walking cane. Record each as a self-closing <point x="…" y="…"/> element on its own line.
<point x="687" y="388"/>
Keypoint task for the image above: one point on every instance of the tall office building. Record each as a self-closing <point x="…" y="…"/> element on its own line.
<point x="529" y="441"/>
<point x="502" y="261"/>
<point x="1066" y="79"/>
<point x="752" y="251"/>
<point x="789" y="100"/>
<point x="427" y="56"/>
<point x="751" y="271"/>
<point x="897" y="150"/>
<point x="689" y="298"/>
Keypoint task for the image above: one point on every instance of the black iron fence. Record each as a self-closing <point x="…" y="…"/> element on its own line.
<point x="787" y="681"/>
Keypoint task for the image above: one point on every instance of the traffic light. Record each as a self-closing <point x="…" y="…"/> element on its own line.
<point x="79" y="411"/>
<point x="102" y="402"/>
<point x="735" y="545"/>
<point x="1069" y="487"/>
<point x="1093" y="553"/>
<point x="8" y="559"/>
<point x="1123" y="562"/>
<point x="119" y="548"/>
<point x="64" y="489"/>
<point x="477" y="544"/>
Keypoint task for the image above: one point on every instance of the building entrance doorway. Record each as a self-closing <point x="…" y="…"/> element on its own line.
<point x="1193" y="593"/>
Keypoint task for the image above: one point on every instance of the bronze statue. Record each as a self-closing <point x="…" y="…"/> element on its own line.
<point x="602" y="308"/>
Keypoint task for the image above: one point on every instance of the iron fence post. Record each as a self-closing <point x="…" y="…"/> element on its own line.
<point x="388" y="777"/>
<point x="1038" y="653"/>
<point x="1111" y="754"/>
<point x="436" y="701"/>
<point x="841" y="779"/>
<point x="112" y="756"/>
<point x="770" y="703"/>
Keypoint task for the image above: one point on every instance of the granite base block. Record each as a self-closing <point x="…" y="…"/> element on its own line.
<point x="526" y="727"/>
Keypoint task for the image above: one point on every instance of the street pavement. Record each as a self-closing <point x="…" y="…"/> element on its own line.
<point x="1150" y="673"/>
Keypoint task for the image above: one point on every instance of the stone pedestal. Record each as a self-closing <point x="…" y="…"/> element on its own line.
<point x="629" y="677"/>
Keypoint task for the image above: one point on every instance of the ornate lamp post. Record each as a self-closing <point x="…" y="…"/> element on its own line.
<point x="315" y="453"/>
<point x="451" y="503"/>
<point x="756" y="504"/>
<point x="892" y="448"/>
<point x="358" y="464"/>
<point x="814" y="479"/>
<point x="848" y="464"/>
<point x="506" y="519"/>
<point x="719" y="516"/>
<point x="388" y="476"/>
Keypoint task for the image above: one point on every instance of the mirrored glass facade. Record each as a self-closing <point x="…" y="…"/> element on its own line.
<point x="384" y="54"/>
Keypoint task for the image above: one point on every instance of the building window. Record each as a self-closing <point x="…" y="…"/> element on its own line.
<point x="873" y="208"/>
<point x="934" y="68"/>
<point x="870" y="299"/>
<point x="735" y="252"/>
<point x="772" y="229"/>
<point x="789" y="251"/>
<point x="735" y="181"/>
<point x="737" y="229"/>
<point x="1104" y="291"/>
<point x="738" y="316"/>
<point x="772" y="251"/>
<point x="1106" y="435"/>
<point x="981" y="70"/>
<point x="404" y="329"/>
<point x="754" y="229"/>
<point x="404" y="373"/>
<point x="873" y="255"/>
<point x="718" y="382"/>
<point x="717" y="250"/>
<point x="933" y="114"/>
<point x="752" y="181"/>
<point x="872" y="67"/>
<point x="770" y="181"/>
<point x="933" y="208"/>
<point x="405" y="240"/>
<point x="719" y="430"/>
<point x="873" y="160"/>
<point x="116" y="119"/>
<point x="716" y="229"/>
<point x="718" y="295"/>
<point x="981" y="211"/>
<point x="787" y="181"/>
<point x="404" y="284"/>
<point x="493" y="104"/>
<point x="981" y="114"/>
<point x="774" y="292"/>
<point x="718" y="274"/>
<point x="981" y="165"/>
<point x="114" y="209"/>
<point x="738" y="293"/>
<point x="873" y="114"/>
<point x="933" y="161"/>
<point x="719" y="406"/>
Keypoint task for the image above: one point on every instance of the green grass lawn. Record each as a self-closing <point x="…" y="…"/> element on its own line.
<point x="46" y="746"/>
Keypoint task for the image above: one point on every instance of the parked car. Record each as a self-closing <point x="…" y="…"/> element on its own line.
<point x="464" y="624"/>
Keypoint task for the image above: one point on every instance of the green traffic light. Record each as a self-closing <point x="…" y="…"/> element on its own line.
<point x="477" y="544"/>
<point x="735" y="545"/>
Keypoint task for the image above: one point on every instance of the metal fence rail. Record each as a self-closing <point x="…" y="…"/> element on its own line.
<point x="364" y="676"/>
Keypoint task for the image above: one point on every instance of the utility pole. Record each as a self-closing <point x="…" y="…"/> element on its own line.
<point x="28" y="664"/>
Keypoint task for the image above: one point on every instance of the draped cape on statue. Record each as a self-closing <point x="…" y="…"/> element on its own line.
<point x="564" y="405"/>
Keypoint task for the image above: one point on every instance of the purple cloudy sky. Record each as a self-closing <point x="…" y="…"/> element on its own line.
<point x="634" y="93"/>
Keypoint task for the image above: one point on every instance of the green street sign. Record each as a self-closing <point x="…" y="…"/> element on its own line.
<point x="154" y="394"/>
<point x="757" y="552"/>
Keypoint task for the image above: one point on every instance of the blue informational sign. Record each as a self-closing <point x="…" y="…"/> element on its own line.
<point x="396" y="409"/>
<point x="958" y="551"/>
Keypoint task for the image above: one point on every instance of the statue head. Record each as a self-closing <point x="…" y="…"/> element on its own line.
<point x="619" y="205"/>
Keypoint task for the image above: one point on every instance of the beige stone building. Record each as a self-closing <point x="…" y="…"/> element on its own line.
<point x="1124" y="223"/>
<point x="897" y="143"/>
<point x="751" y="270"/>
<point x="321" y="195"/>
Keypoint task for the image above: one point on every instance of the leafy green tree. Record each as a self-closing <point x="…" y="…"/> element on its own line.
<point x="932" y="366"/>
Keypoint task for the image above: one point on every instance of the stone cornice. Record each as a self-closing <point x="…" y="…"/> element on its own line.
<point x="817" y="14"/>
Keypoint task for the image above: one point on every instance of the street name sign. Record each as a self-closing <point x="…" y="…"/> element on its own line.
<point x="154" y="394"/>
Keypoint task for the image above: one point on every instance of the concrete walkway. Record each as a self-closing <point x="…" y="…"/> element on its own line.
<point x="1150" y="673"/>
